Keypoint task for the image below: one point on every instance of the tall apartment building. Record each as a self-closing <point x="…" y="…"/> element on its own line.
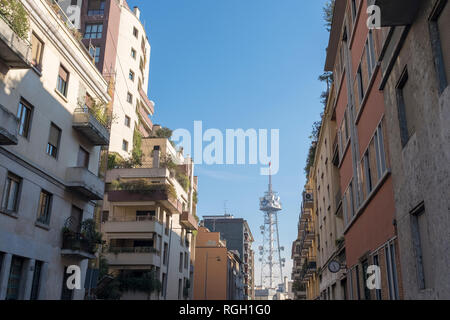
<point x="364" y="167"/>
<point x="328" y="198"/>
<point x="305" y="272"/>
<point x="116" y="38"/>
<point x="49" y="153"/>
<point x="415" y="78"/>
<point x="238" y="237"/>
<point x="218" y="274"/>
<point x="149" y="223"/>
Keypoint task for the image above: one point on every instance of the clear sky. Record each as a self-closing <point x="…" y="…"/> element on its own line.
<point x="241" y="64"/>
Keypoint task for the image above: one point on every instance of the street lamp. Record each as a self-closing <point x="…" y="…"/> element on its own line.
<point x="206" y="272"/>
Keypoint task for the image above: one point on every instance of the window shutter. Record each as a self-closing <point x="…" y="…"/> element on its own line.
<point x="63" y="73"/>
<point x="54" y="135"/>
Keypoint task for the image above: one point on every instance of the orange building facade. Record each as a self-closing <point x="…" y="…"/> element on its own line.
<point x="364" y="168"/>
<point x="217" y="273"/>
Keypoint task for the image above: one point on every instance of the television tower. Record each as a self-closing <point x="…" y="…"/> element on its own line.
<point x="270" y="251"/>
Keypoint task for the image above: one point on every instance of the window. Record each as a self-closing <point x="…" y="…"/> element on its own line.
<point x="353" y="2"/>
<point x="131" y="75"/>
<point x="360" y="84"/>
<point x="358" y="285"/>
<point x="76" y="217"/>
<point x="15" y="278"/>
<point x="376" y="262"/>
<point x="180" y="266"/>
<point x="133" y="53"/>
<point x="439" y="31"/>
<point x="36" y="280"/>
<point x="24" y="115"/>
<point x="125" y="145"/>
<point x="53" y="141"/>
<point x="63" y="80"/>
<point x="83" y="158"/>
<point x="406" y="106"/>
<point x="420" y="242"/>
<point x="163" y="283"/>
<point x="11" y="193"/>
<point x="391" y="266"/>
<point x="186" y="259"/>
<point x="93" y="31"/>
<point x="370" y="54"/>
<point x="135" y="32"/>
<point x="95" y="53"/>
<point x="165" y="255"/>
<point x="37" y="47"/>
<point x="129" y="98"/>
<point x="365" y="266"/>
<point x="127" y="121"/>
<point x="349" y="207"/>
<point x="96" y="7"/>
<point x="180" y="288"/>
<point x="45" y="203"/>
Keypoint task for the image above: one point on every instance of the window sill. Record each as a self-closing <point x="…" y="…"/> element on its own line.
<point x="369" y="198"/>
<point x="61" y="96"/>
<point x="11" y="214"/>
<point x="42" y="226"/>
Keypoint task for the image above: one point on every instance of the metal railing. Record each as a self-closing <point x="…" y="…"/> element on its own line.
<point x="134" y="219"/>
<point x="117" y="250"/>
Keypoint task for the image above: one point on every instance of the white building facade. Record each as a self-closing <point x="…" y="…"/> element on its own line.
<point x="49" y="154"/>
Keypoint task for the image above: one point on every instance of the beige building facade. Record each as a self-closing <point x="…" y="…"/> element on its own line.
<point x="49" y="154"/>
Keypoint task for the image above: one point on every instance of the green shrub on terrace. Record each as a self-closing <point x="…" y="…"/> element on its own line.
<point x="13" y="12"/>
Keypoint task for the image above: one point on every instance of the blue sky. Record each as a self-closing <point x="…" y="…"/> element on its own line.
<point x="240" y="64"/>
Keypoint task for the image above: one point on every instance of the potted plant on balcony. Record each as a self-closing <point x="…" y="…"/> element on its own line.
<point x="90" y="236"/>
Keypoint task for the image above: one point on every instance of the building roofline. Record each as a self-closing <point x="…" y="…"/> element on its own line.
<point x="335" y="33"/>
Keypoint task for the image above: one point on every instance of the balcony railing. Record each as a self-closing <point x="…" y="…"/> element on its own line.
<point x="76" y="246"/>
<point x="188" y="221"/>
<point x="14" y="50"/>
<point x="147" y="102"/>
<point x="117" y="250"/>
<point x="83" y="181"/>
<point x="94" y="129"/>
<point x="8" y="127"/>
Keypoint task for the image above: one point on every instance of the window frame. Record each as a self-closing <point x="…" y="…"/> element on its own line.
<point x="11" y="177"/>
<point x="37" y="64"/>
<point x="51" y="147"/>
<point x="44" y="218"/>
<point x="62" y="86"/>
<point x="23" y="104"/>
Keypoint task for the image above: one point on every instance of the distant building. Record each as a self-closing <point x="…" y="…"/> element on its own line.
<point x="238" y="237"/>
<point x="218" y="274"/>
<point x="149" y="222"/>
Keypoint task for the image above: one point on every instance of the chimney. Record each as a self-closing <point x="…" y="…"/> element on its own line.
<point x="137" y="12"/>
<point x="156" y="156"/>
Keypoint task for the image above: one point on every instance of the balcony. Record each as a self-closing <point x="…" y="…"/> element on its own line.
<point x="132" y="225"/>
<point x="312" y="267"/>
<point x="14" y="51"/>
<point x="75" y="246"/>
<point x="397" y="12"/>
<point x="81" y="180"/>
<point x="134" y="256"/>
<point x="188" y="221"/>
<point x="148" y="104"/>
<point x="8" y="126"/>
<point x="88" y="125"/>
<point x="133" y="196"/>
<point x="145" y="119"/>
